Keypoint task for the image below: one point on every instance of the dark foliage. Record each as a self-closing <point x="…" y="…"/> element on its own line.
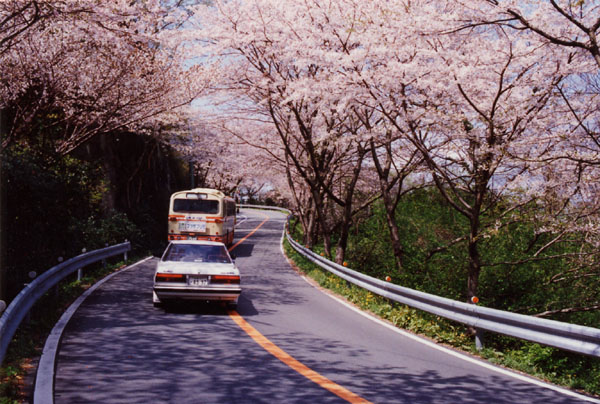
<point x="54" y="206"/>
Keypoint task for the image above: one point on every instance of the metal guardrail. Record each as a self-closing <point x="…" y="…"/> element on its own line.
<point x="264" y="207"/>
<point x="22" y="303"/>
<point x="571" y="337"/>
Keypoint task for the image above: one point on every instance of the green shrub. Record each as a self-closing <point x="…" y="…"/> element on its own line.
<point x="52" y="207"/>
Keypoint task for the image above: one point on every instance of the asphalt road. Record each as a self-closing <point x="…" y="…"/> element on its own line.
<point x="118" y="348"/>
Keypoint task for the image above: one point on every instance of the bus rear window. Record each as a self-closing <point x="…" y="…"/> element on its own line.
<point x="196" y="206"/>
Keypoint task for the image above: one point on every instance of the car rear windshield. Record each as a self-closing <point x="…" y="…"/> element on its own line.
<point x="196" y="206"/>
<point x="197" y="253"/>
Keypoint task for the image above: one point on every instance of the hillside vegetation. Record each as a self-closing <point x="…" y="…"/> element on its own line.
<point x="533" y="287"/>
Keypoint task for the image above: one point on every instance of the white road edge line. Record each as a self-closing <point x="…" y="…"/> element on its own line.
<point x="241" y="220"/>
<point x="44" y="382"/>
<point x="449" y="351"/>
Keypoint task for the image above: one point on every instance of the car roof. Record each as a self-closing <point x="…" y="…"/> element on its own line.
<point x="197" y="242"/>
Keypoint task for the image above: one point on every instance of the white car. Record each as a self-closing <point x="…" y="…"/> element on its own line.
<point x="196" y="270"/>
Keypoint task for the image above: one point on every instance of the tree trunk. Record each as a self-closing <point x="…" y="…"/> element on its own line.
<point x="474" y="263"/>
<point x="322" y="220"/>
<point x="342" y="244"/>
<point x="390" y="210"/>
<point x="340" y="251"/>
<point x="109" y="199"/>
<point x="474" y="269"/>
<point x="385" y="187"/>
<point x="473" y="277"/>
<point x="310" y="230"/>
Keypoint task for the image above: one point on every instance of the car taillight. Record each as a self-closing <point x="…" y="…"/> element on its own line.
<point x="169" y="278"/>
<point x="225" y="279"/>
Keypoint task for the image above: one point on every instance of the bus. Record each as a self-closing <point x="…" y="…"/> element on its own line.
<point x="201" y="214"/>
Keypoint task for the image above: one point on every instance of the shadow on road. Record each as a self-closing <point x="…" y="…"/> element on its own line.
<point x="118" y="348"/>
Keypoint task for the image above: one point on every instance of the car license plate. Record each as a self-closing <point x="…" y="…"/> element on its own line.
<point x="198" y="280"/>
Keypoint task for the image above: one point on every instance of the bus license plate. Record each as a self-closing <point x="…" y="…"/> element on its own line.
<point x="192" y="226"/>
<point x="198" y="281"/>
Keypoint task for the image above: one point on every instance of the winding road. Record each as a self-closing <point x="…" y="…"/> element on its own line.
<point x="287" y="342"/>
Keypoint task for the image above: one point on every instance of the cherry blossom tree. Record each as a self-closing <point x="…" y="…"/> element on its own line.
<point x="90" y="67"/>
<point x="396" y="163"/>
<point x="484" y="107"/>
<point x="222" y="158"/>
<point x="318" y="139"/>
<point x="20" y="16"/>
<point x="473" y="103"/>
<point x="573" y="25"/>
<point x="569" y="164"/>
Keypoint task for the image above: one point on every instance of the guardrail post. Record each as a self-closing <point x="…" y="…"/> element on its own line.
<point x="104" y="259"/>
<point x="83" y="251"/>
<point x="479" y="339"/>
<point x="125" y="254"/>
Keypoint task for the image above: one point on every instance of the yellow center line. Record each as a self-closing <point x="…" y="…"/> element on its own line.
<point x="286" y="358"/>
<point x="251" y="233"/>
<point x="294" y="363"/>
